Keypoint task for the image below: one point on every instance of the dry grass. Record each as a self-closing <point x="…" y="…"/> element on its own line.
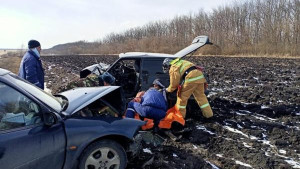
<point x="10" y="63"/>
<point x="2" y="52"/>
<point x="12" y="51"/>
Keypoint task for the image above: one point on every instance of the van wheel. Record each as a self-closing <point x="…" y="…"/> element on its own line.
<point x="104" y="154"/>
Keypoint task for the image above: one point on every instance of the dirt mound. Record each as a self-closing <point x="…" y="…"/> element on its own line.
<point x="256" y="121"/>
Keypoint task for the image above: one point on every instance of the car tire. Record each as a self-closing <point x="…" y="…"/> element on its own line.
<point x="106" y="154"/>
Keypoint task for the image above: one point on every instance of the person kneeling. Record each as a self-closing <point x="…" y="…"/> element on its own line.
<point x="151" y="105"/>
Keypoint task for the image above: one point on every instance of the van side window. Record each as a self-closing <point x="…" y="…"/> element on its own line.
<point x="152" y="69"/>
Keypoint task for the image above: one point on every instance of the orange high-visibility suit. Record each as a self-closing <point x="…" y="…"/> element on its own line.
<point x="194" y="84"/>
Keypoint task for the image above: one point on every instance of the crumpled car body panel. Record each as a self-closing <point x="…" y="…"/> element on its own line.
<point x="79" y="98"/>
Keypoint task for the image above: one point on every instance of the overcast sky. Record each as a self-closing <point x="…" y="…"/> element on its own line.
<point x="55" y="22"/>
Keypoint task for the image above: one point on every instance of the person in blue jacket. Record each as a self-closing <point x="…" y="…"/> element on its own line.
<point x="31" y="68"/>
<point x="152" y="104"/>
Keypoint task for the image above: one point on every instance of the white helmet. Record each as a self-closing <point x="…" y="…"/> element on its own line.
<point x="166" y="65"/>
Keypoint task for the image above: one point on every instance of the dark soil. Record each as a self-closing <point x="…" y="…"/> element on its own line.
<point x="256" y="121"/>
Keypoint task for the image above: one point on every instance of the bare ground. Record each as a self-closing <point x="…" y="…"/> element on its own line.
<point x="256" y="121"/>
<point x="256" y="114"/>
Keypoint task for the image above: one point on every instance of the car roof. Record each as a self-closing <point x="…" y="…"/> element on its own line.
<point x="3" y="72"/>
<point x="144" y="55"/>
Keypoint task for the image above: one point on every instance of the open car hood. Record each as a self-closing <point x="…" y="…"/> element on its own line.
<point x="197" y="43"/>
<point x="79" y="98"/>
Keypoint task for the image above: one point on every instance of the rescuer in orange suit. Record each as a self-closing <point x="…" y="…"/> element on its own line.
<point x="189" y="80"/>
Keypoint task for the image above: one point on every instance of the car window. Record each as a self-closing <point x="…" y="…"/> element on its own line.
<point x="40" y="94"/>
<point x="16" y="110"/>
<point x="151" y="70"/>
<point x="126" y="72"/>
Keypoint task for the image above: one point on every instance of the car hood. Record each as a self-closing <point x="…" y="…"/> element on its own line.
<point x="197" y="43"/>
<point x="79" y="98"/>
<point x="97" y="69"/>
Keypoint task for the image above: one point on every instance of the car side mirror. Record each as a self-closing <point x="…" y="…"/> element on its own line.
<point x="50" y="119"/>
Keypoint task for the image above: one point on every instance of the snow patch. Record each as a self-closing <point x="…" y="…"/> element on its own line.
<point x="212" y="165"/>
<point x="243" y="164"/>
<point x="239" y="126"/>
<point x="247" y="145"/>
<point x="211" y="94"/>
<point x="235" y="131"/>
<point x="195" y="147"/>
<point x="267" y="143"/>
<point x="282" y="151"/>
<point x="240" y="114"/>
<point x="245" y="111"/>
<point x="174" y="155"/>
<point x="147" y="150"/>
<point x="47" y="89"/>
<point x="259" y="118"/>
<point x="229" y="139"/>
<point x="293" y="163"/>
<point x="199" y="127"/>
<point x="253" y="137"/>
<point x="264" y="107"/>
<point x="265" y="117"/>
<point x="264" y="136"/>
<point x="216" y="89"/>
<point x="219" y="155"/>
<point x="240" y="132"/>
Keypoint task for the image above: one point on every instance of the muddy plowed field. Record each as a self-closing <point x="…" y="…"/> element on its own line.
<point x="256" y="121"/>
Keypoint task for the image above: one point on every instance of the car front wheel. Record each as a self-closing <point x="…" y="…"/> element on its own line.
<point x="104" y="154"/>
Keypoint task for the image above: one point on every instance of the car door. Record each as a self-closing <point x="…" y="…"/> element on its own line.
<point x="151" y="70"/>
<point x="25" y="142"/>
<point x="126" y="71"/>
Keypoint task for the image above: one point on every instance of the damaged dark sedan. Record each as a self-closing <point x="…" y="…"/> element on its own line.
<point x="79" y="128"/>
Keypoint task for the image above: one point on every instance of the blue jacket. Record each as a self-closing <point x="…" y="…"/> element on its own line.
<point x="155" y="99"/>
<point x="31" y="69"/>
<point x="2" y="108"/>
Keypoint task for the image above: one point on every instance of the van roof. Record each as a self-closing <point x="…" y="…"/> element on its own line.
<point x="144" y="54"/>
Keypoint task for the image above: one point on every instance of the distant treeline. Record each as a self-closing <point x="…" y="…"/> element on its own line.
<point x="258" y="27"/>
